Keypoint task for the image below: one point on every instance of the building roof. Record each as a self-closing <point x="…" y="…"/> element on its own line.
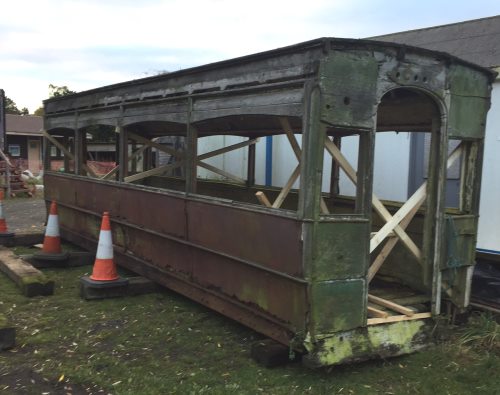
<point x="26" y="125"/>
<point x="477" y="40"/>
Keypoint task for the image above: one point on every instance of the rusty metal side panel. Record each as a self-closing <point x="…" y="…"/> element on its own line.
<point x="231" y="253"/>
<point x="266" y="239"/>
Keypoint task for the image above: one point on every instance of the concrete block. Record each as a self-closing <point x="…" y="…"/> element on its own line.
<point x="132" y="286"/>
<point x="7" y="334"/>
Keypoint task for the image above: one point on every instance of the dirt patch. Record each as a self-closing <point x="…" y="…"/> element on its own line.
<point x="27" y="381"/>
<point x="25" y="214"/>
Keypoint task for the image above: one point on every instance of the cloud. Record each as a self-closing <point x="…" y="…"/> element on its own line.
<point x="90" y="43"/>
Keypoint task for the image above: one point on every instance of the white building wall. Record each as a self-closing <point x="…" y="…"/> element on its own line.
<point x="489" y="211"/>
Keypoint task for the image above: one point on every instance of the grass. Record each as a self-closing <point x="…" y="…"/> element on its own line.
<point x="163" y="343"/>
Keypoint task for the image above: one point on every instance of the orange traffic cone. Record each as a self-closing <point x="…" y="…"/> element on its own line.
<point x="52" y="239"/>
<point x="104" y="266"/>
<point x="51" y="250"/>
<point x="3" y="224"/>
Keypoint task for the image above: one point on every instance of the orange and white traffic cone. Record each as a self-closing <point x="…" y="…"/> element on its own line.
<point x="104" y="281"/>
<point x="52" y="239"/>
<point x="51" y="249"/>
<point x="104" y="265"/>
<point x="3" y="223"/>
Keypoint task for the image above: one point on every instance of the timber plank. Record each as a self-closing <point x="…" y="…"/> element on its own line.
<point x="31" y="281"/>
<point x="397" y="318"/>
<point x="377" y="313"/>
<point x="391" y="305"/>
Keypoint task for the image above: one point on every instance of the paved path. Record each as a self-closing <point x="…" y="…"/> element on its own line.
<point x="25" y="214"/>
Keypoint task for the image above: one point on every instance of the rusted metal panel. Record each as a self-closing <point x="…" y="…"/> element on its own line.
<point x="190" y="239"/>
<point x="273" y="242"/>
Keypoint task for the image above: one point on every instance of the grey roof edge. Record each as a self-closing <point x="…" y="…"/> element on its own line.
<point x="432" y="27"/>
<point x="325" y="42"/>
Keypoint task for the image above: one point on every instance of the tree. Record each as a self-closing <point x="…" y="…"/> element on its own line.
<point x="59" y="91"/>
<point x="11" y="107"/>
<point x="39" y="111"/>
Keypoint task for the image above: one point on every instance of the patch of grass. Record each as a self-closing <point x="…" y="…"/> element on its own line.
<point x="163" y="343"/>
<point x="483" y="332"/>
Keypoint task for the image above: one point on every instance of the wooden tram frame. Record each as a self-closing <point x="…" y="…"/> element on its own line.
<point x="299" y="266"/>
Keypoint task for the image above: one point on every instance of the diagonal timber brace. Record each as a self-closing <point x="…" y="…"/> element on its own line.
<point x="377" y="204"/>
<point x="415" y="200"/>
<point x="181" y="158"/>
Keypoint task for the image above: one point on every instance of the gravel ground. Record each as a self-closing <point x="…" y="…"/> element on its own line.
<point x="25" y="214"/>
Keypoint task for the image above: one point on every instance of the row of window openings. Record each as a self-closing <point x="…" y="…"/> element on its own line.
<point x="15" y="150"/>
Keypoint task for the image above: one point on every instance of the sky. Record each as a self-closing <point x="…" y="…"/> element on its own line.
<point x="84" y="44"/>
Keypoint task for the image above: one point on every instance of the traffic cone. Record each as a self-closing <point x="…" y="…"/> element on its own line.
<point x="51" y="249"/>
<point x="52" y="239"/>
<point x="104" y="266"/>
<point x="104" y="281"/>
<point x="3" y="223"/>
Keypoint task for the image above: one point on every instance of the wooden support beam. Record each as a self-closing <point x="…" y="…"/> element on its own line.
<point x="286" y="189"/>
<point x="377" y="204"/>
<point x="229" y="148"/>
<point x="285" y="124"/>
<point x="416" y="199"/>
<point x="153" y="172"/>
<point x="251" y="165"/>
<point x="386" y="250"/>
<point x="373" y="312"/>
<point x="397" y="318"/>
<point x="221" y="172"/>
<point x="159" y="147"/>
<point x="262" y="198"/>
<point x="66" y="152"/>
<point x="207" y="155"/>
<point x="31" y="281"/>
<point x="390" y="305"/>
<point x="134" y="155"/>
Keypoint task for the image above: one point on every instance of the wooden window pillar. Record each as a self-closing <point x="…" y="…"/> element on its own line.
<point x="122" y="153"/>
<point x="313" y="138"/>
<point x="251" y="165"/>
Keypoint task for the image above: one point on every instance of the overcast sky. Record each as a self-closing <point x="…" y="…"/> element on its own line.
<point x="89" y="43"/>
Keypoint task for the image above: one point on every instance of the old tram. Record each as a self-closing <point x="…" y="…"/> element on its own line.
<point x="341" y="278"/>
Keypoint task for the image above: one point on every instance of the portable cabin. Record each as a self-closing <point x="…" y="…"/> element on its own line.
<point x="341" y="279"/>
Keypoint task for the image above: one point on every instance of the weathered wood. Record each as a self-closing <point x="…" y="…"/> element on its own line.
<point x="416" y="199"/>
<point x="122" y="152"/>
<point x="67" y="153"/>
<point x="285" y="124"/>
<point x="152" y="172"/>
<point x="397" y="318"/>
<point x="377" y="204"/>
<point x="377" y="313"/>
<point x="262" y="198"/>
<point x="159" y="147"/>
<point x="389" y="245"/>
<point x="390" y="305"/>
<point x="31" y="281"/>
<point x="286" y="189"/>
<point x="223" y="173"/>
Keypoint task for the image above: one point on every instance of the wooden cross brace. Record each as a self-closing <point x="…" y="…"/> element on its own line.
<point x="403" y="217"/>
<point x="66" y="152"/>
<point x="377" y="204"/>
<point x="180" y="157"/>
<point x="285" y="124"/>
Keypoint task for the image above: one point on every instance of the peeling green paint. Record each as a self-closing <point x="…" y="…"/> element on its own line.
<point x="364" y="343"/>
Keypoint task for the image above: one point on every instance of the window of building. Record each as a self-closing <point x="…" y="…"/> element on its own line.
<point x="14" y="149"/>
